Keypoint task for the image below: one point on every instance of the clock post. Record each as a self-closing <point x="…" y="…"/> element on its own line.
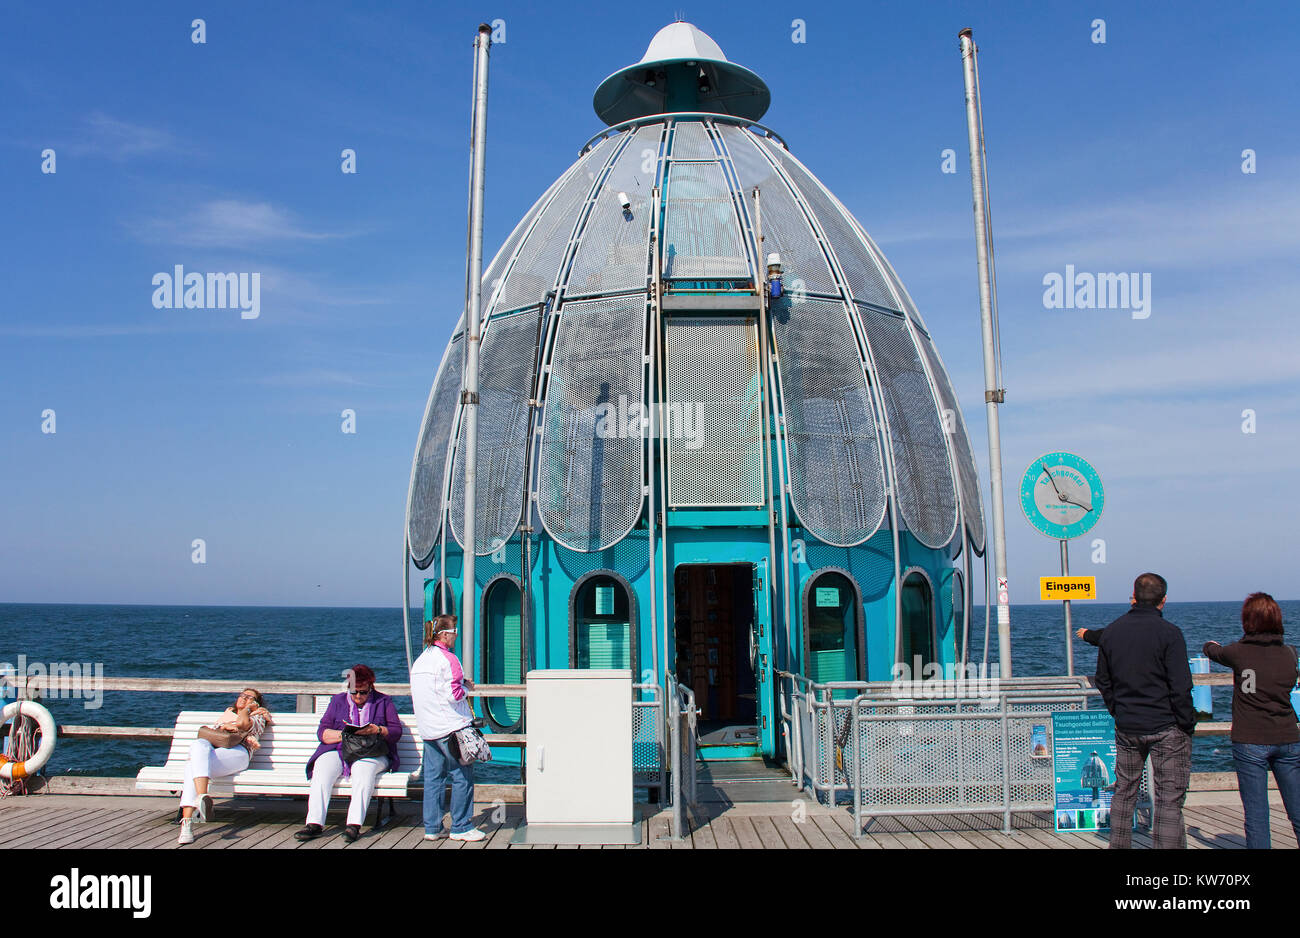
<point x="1061" y="496"/>
<point x="1069" y="646"/>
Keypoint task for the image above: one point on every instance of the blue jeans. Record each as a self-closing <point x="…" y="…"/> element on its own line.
<point x="1253" y="762"/>
<point x="439" y="763"/>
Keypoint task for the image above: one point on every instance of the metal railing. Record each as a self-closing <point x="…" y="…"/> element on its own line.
<point x="682" y="716"/>
<point x="648" y="723"/>
<point x="908" y="748"/>
<point x="648" y="740"/>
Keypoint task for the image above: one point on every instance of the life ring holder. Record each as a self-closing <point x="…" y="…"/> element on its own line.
<point x="11" y="770"/>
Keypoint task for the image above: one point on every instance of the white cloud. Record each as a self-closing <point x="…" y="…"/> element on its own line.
<point x="230" y="223"/>
<point x="102" y="135"/>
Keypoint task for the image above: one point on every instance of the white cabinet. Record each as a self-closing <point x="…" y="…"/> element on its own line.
<point x="579" y="747"/>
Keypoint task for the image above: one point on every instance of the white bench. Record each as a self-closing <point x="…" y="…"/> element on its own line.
<point x="279" y="766"/>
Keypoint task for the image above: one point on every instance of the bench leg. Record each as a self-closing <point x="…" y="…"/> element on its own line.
<point x="380" y="820"/>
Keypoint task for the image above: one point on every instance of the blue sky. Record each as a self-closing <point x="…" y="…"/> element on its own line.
<point x="225" y="156"/>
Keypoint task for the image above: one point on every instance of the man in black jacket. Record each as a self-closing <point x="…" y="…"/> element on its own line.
<point x="1143" y="676"/>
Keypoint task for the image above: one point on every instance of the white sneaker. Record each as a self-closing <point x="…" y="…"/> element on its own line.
<point x="471" y="835"/>
<point x="203" y="813"/>
<point x="187" y="831"/>
<point x="438" y="836"/>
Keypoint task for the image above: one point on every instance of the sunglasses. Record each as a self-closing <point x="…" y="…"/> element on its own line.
<point x="361" y="693"/>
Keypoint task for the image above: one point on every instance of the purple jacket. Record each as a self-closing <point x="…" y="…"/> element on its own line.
<point x="383" y="712"/>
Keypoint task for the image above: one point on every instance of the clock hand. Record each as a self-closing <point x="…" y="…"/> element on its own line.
<point x="1053" y="481"/>
<point x="1070" y="501"/>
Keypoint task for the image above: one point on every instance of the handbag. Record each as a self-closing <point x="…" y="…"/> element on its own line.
<point x="221" y="739"/>
<point x="356" y="746"/>
<point x="473" y="747"/>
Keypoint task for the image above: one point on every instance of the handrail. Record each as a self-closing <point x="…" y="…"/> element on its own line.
<point x="179" y="686"/>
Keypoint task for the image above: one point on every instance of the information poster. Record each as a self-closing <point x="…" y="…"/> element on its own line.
<point x="1083" y="766"/>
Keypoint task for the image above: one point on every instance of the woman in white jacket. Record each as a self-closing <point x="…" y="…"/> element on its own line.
<point x="438" y="688"/>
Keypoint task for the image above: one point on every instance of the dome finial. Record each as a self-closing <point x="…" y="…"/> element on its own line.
<point x="682" y="70"/>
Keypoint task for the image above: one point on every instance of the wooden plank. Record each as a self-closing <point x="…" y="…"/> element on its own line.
<point x="746" y="834"/>
<point x="1043" y="840"/>
<point x="812" y="834"/>
<point x="702" y="834"/>
<point x="80" y="826"/>
<point x="500" y="839"/>
<point x="723" y="834"/>
<point x="122" y="820"/>
<point x="932" y="840"/>
<point x="43" y="836"/>
<point x="220" y="835"/>
<point x="282" y="838"/>
<point x="939" y="825"/>
<point x="845" y="822"/>
<point x="778" y="832"/>
<point x="910" y="841"/>
<point x="19" y="823"/>
<point x="832" y="832"/>
<point x="268" y="829"/>
<point x="162" y="823"/>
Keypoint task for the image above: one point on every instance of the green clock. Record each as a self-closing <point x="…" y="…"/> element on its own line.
<point x="1061" y="495"/>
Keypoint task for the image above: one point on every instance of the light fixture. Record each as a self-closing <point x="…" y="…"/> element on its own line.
<point x="704" y="83"/>
<point x="650" y="77"/>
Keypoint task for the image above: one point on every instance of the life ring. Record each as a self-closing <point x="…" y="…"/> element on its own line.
<point x="11" y="770"/>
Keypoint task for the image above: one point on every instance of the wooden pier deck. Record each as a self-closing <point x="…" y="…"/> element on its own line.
<point x="76" y="822"/>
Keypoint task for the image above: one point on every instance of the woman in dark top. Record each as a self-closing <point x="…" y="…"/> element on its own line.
<point x="1264" y="733"/>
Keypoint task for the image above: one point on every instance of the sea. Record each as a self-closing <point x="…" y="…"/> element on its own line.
<point x="253" y="644"/>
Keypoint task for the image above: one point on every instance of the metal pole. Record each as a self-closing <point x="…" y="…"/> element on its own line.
<point x="1069" y="647"/>
<point x="993" y="395"/>
<point x="469" y="396"/>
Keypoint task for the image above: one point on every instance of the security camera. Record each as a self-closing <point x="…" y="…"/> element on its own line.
<point x="624" y="201"/>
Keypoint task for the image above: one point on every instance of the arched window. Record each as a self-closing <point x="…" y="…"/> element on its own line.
<point x="918" y="621"/>
<point x="959" y="614"/>
<point x="503" y="647"/>
<point x="602" y="617"/>
<point x="832" y="627"/>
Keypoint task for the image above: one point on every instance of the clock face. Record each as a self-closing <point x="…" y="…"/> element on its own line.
<point x="1061" y="495"/>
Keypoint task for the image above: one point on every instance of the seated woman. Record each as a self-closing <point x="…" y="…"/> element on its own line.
<point x="247" y="715"/>
<point x="375" y="714"/>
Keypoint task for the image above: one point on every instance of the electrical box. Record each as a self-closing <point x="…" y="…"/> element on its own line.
<point x="579" y="755"/>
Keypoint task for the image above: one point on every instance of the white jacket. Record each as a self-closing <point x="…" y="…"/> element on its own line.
<point x="438" y="694"/>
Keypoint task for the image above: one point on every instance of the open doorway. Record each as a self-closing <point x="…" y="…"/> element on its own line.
<point x="713" y="620"/>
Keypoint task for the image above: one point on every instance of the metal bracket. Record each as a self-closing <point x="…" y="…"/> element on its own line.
<point x="469" y="397"/>
<point x="995" y="397"/>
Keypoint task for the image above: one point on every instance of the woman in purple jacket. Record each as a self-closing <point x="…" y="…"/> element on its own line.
<point x="359" y="706"/>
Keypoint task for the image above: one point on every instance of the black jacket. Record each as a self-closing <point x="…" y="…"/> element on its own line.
<point x="1143" y="675"/>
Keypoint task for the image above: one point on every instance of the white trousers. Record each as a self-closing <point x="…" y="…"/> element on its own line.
<point x="208" y="762"/>
<point x="327" y="770"/>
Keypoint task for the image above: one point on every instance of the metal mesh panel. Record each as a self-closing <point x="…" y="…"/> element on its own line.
<point x="895" y="281"/>
<point x="955" y="427"/>
<point x="860" y="268"/>
<point x="926" y="497"/>
<point x="785" y="228"/>
<point x="837" y="479"/>
<point x="647" y="741"/>
<point x="701" y="234"/>
<point x="590" y="482"/>
<point x="495" y="273"/>
<point x="505" y="380"/>
<point x="424" y="504"/>
<point x="691" y="142"/>
<point x="715" y="417"/>
<point x="613" y="254"/>
<point x="534" y="272"/>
